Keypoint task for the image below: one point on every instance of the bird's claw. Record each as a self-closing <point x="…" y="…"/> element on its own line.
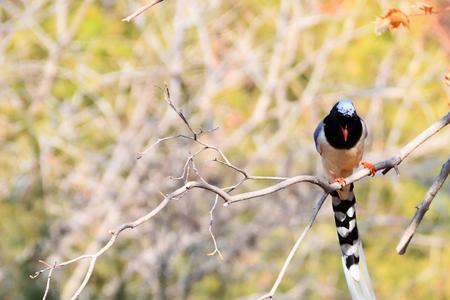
<point x="341" y="181"/>
<point x="369" y="167"/>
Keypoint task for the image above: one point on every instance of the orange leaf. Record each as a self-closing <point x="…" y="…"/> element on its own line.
<point x="396" y="18"/>
<point x="427" y="9"/>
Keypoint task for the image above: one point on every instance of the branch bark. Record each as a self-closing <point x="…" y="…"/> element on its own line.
<point x="422" y="208"/>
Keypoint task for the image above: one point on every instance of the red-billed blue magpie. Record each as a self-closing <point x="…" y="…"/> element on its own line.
<point x="339" y="139"/>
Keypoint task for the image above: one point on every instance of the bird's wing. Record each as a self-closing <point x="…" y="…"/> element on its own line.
<point x="317" y="132"/>
<point x="364" y="133"/>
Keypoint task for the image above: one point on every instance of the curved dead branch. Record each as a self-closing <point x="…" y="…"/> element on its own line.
<point x="422" y="208"/>
<point x="224" y="193"/>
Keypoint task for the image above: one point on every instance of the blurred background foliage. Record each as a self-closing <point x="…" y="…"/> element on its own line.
<point x="81" y="95"/>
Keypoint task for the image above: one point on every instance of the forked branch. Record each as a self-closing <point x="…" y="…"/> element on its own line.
<point x="224" y="193"/>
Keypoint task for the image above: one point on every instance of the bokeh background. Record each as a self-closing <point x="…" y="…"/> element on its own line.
<point x="80" y="95"/>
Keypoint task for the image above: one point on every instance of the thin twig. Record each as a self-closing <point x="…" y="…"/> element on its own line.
<point x="93" y="257"/>
<point x="140" y="11"/>
<point x="189" y="160"/>
<point x="141" y="154"/>
<point x="294" y="249"/>
<point x="211" y="219"/>
<point x="195" y="134"/>
<point x="49" y="278"/>
<point x="422" y="208"/>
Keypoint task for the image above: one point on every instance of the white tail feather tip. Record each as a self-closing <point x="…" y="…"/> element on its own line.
<point x="354" y="271"/>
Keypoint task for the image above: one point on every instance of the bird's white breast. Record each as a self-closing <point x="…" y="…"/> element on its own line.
<point x="339" y="162"/>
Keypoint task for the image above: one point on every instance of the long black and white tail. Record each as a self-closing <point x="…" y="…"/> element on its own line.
<point x="353" y="260"/>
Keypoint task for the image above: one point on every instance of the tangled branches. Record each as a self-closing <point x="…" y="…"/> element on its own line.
<point x="226" y="193"/>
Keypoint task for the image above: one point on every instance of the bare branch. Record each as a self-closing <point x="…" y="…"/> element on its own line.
<point x="189" y="160"/>
<point x="182" y="117"/>
<point x="224" y="194"/>
<point x="211" y="219"/>
<point x="140" y="11"/>
<point x="295" y="248"/>
<point x="93" y="257"/>
<point x="228" y="164"/>
<point x="385" y="165"/>
<point x="140" y="154"/>
<point x="244" y="173"/>
<point x="416" y="142"/>
<point x="422" y="208"/>
<point x="49" y="278"/>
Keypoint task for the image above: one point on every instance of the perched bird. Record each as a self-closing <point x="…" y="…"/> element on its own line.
<point x="339" y="139"/>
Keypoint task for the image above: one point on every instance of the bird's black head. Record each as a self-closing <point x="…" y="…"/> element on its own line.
<point x="342" y="126"/>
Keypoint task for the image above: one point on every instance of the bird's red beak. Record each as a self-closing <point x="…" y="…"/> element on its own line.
<point x="345" y="133"/>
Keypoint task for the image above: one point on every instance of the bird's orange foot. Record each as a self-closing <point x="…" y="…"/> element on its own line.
<point x="369" y="167"/>
<point x="341" y="181"/>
